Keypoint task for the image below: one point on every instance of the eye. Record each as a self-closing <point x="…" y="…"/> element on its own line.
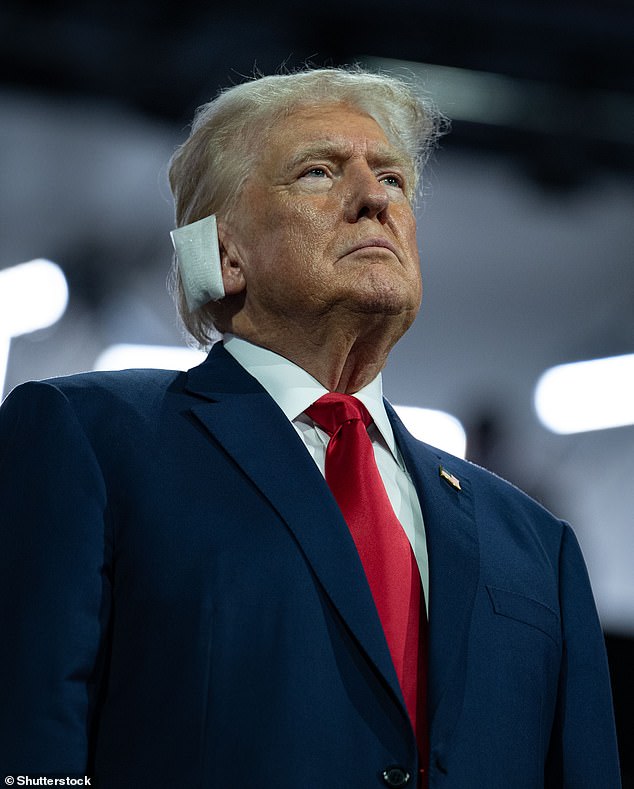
<point x="392" y="180"/>
<point x="315" y="172"/>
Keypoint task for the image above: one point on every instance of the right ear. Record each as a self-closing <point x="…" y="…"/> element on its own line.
<point x="230" y="262"/>
<point x="198" y="256"/>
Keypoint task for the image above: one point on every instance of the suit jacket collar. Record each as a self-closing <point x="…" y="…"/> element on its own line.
<point x="454" y="559"/>
<point x="244" y="419"/>
<point x="294" y="389"/>
<point x="241" y="416"/>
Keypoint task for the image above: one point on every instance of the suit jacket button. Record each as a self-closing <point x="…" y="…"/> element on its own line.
<point x="396" y="776"/>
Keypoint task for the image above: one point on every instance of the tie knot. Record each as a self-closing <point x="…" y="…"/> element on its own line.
<point x="333" y="409"/>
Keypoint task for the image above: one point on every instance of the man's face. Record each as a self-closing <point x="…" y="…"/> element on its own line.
<point x="323" y="223"/>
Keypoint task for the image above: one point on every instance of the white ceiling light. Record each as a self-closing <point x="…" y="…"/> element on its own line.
<point x="489" y="98"/>
<point x="159" y="357"/>
<point x="33" y="296"/>
<point x="437" y="428"/>
<point x="590" y="395"/>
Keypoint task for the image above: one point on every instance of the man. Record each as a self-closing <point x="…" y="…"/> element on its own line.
<point x="196" y="590"/>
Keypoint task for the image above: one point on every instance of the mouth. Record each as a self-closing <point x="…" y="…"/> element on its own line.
<point x="373" y="243"/>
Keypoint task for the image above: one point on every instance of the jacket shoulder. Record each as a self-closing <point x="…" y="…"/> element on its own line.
<point x="491" y="493"/>
<point x="491" y="486"/>
<point x="122" y="385"/>
<point x="100" y="402"/>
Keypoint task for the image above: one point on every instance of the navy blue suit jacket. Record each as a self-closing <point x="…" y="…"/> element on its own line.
<point x="182" y="605"/>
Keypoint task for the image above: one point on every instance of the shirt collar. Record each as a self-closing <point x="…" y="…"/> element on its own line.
<point x="294" y="389"/>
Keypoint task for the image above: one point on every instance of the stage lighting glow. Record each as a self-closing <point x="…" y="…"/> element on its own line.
<point x="159" y="357"/>
<point x="493" y="98"/>
<point x="591" y="395"/>
<point x="33" y="296"/>
<point x="438" y="428"/>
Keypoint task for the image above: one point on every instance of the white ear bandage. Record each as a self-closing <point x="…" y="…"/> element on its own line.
<point x="198" y="255"/>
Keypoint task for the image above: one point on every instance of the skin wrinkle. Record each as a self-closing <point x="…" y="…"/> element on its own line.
<point x="288" y="249"/>
<point x="337" y="148"/>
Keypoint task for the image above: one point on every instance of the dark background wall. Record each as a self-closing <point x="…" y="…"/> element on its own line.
<point x="526" y="226"/>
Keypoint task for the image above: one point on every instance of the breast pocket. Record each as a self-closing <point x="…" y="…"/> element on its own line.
<point x="527" y="610"/>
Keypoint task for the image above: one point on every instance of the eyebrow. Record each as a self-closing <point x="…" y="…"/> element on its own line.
<point x="382" y="155"/>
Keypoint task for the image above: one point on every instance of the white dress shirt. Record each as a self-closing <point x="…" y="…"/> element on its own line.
<point x="294" y="390"/>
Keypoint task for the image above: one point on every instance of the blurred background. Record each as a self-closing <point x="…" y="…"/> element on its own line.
<point x="526" y="224"/>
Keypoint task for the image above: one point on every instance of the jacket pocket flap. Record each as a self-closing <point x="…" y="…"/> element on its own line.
<point x="525" y="609"/>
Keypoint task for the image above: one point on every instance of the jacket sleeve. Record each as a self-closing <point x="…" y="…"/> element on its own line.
<point x="54" y="585"/>
<point x="583" y="751"/>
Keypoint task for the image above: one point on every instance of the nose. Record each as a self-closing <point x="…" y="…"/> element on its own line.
<point x="366" y="196"/>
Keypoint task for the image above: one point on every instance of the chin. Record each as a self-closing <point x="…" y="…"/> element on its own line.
<point x="386" y="297"/>
<point x="386" y="311"/>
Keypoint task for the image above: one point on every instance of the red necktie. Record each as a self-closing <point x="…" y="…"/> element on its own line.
<point x="385" y="551"/>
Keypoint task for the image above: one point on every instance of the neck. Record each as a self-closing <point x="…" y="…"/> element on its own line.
<point x="343" y="358"/>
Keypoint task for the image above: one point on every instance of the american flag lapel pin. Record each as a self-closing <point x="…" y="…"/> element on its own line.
<point x="450" y="478"/>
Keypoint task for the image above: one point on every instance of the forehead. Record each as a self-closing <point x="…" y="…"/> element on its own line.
<point x="336" y="129"/>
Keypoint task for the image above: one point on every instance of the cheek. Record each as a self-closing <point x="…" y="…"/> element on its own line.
<point x="309" y="232"/>
<point x="312" y="216"/>
<point x="297" y="236"/>
<point x="410" y="243"/>
<point x="409" y="229"/>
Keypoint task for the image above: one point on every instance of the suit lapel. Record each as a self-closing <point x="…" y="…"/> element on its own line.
<point x="253" y="430"/>
<point x="453" y="548"/>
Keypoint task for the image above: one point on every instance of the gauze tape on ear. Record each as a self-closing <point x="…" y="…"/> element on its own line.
<point x="198" y="256"/>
